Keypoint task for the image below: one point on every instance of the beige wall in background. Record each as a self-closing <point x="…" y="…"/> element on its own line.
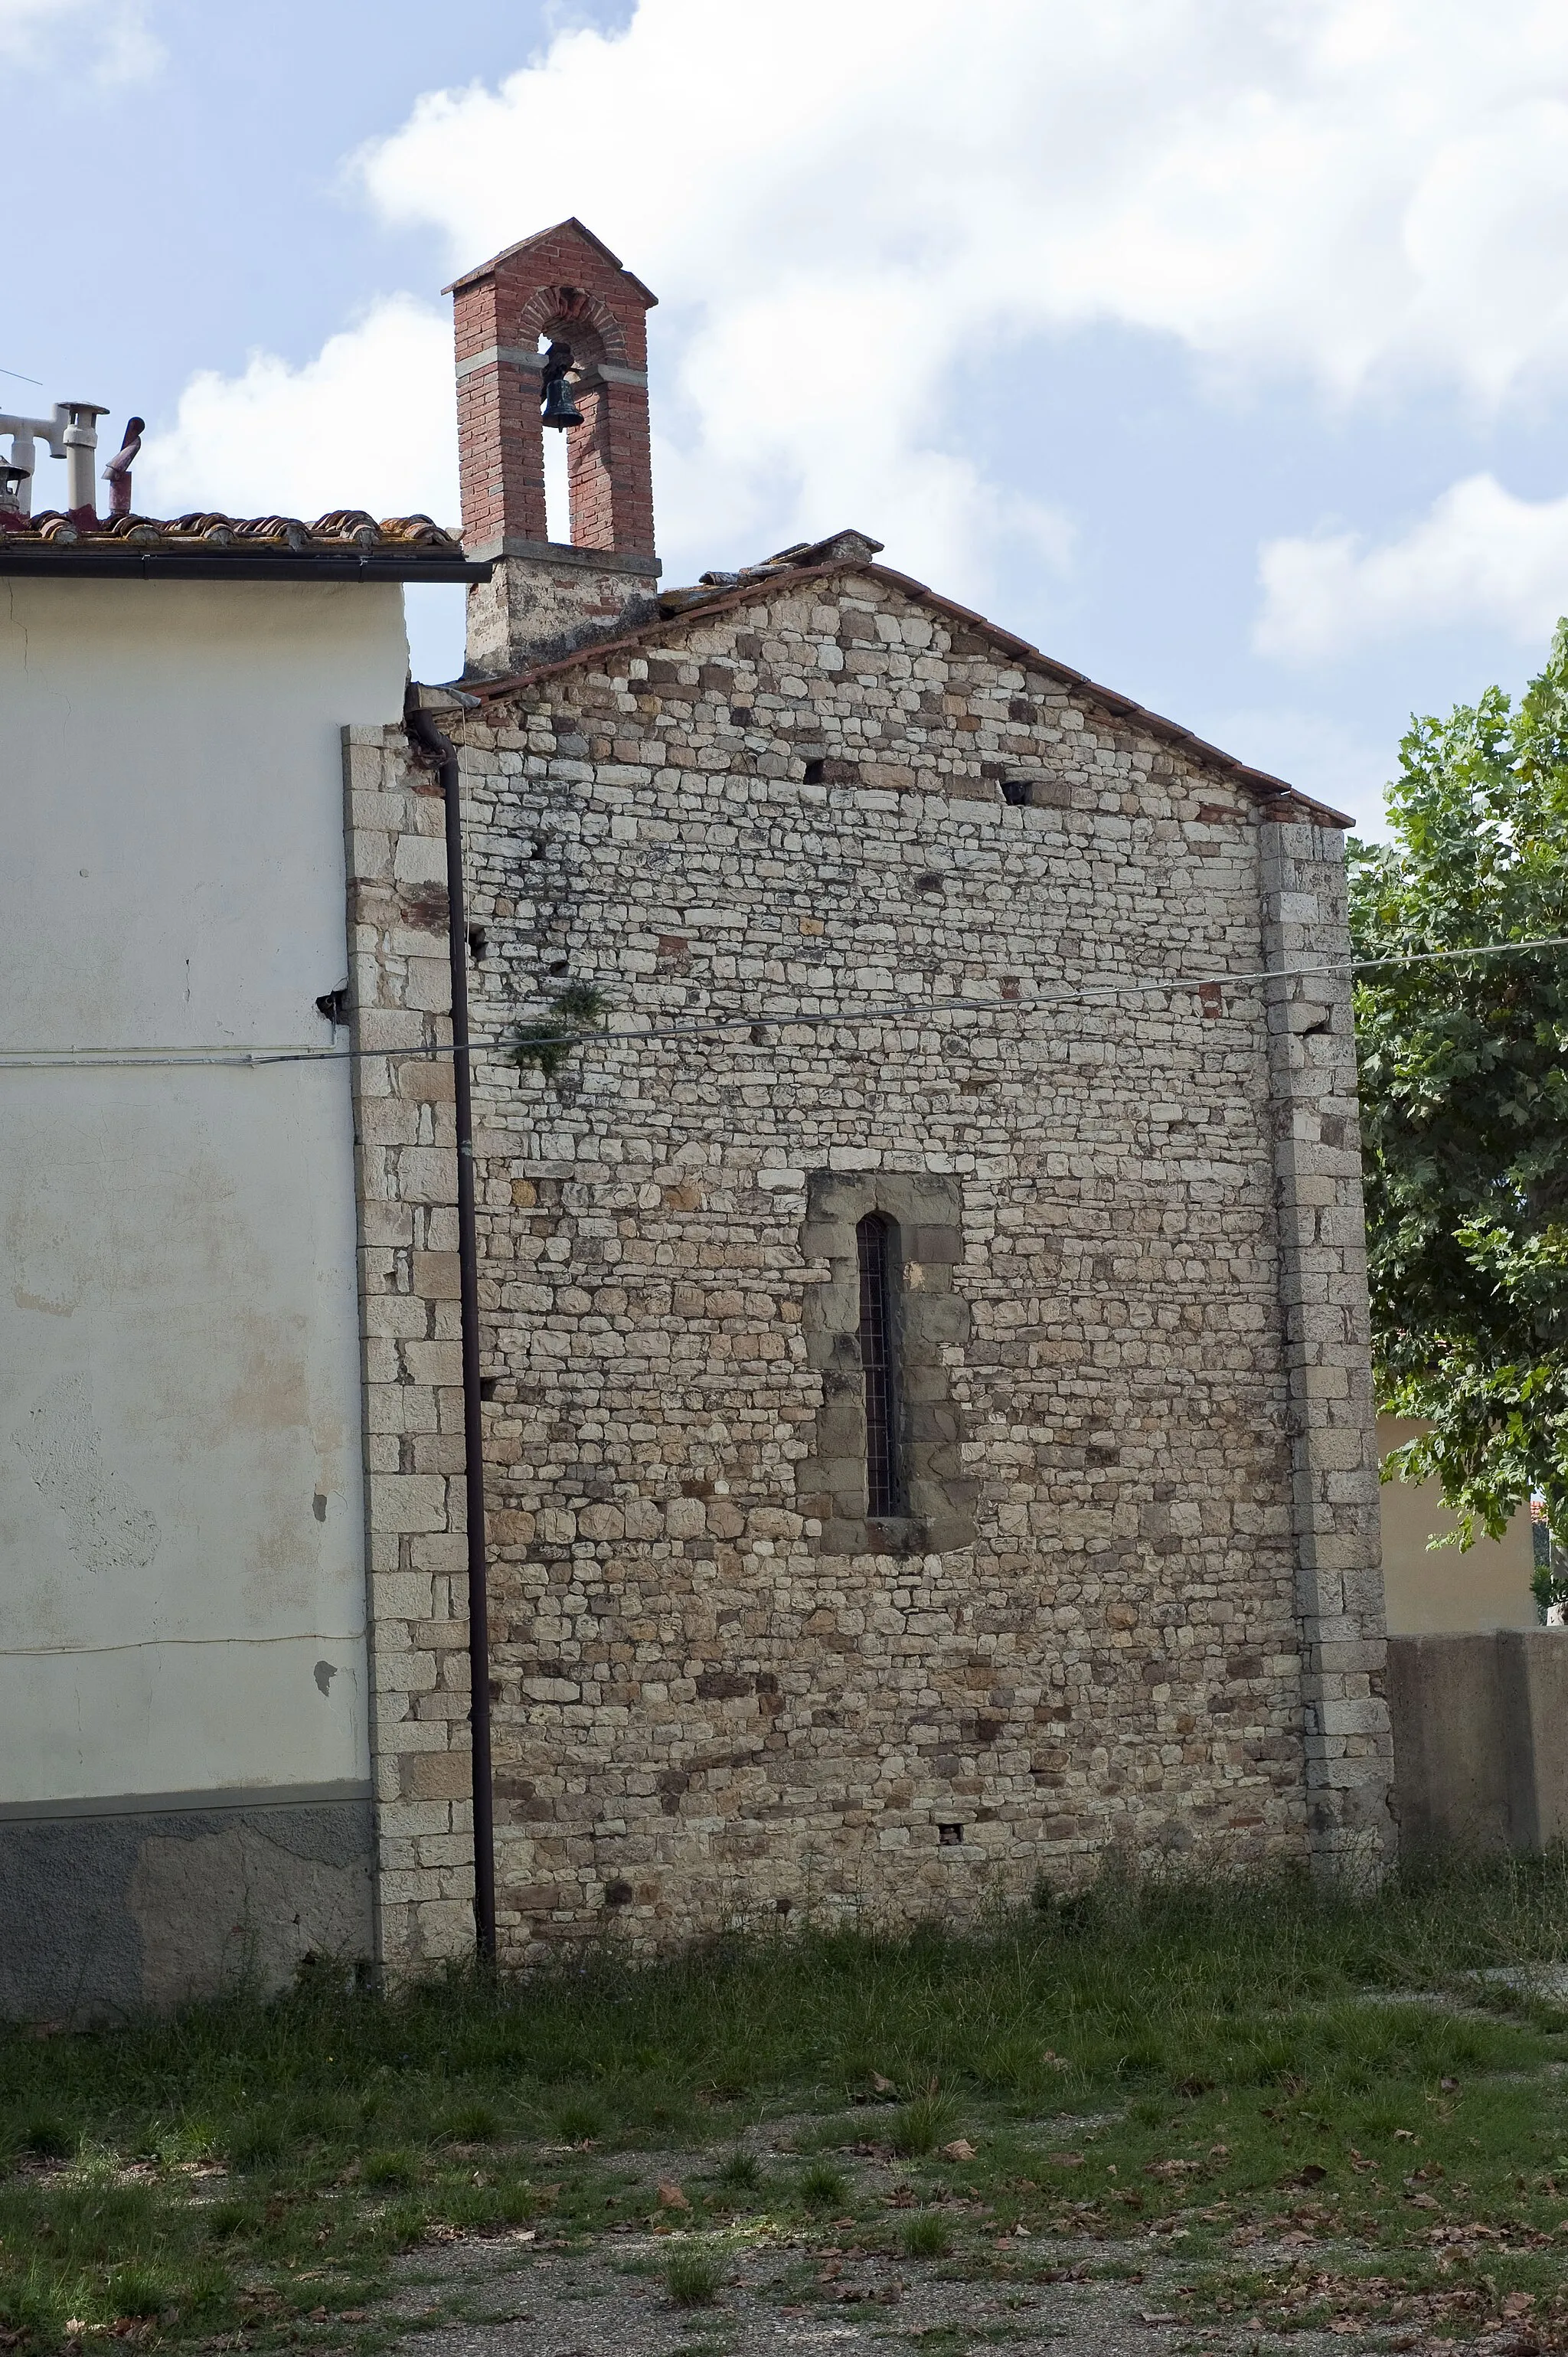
<point x="1427" y="1595"/>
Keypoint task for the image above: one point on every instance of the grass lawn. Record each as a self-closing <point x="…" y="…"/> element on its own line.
<point x="1318" y="2103"/>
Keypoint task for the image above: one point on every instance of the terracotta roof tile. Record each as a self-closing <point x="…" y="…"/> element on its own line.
<point x="571" y="225"/>
<point x="347" y="541"/>
<point x="343" y="528"/>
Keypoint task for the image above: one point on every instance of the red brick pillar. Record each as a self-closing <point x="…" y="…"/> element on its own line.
<point x="610" y="465"/>
<point x="501" y="443"/>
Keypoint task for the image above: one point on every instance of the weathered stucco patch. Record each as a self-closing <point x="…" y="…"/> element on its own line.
<point x="105" y="1529"/>
<point x="242" y="1901"/>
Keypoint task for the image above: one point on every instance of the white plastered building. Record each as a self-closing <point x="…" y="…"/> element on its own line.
<point x="184" y="1707"/>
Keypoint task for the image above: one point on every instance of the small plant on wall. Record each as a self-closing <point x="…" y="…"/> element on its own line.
<point x="550" y="1039"/>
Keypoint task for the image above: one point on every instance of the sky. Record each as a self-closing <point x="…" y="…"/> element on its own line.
<point x="1219" y="347"/>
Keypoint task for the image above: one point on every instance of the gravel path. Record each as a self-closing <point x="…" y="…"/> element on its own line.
<point x="527" y="2304"/>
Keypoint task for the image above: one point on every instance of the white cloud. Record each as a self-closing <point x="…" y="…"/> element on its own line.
<point x="851" y="211"/>
<point x="1478" y="555"/>
<point x="371" y="422"/>
<point x="109" y="38"/>
<point x="1342" y="187"/>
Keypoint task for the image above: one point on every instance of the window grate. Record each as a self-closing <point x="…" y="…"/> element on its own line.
<point x="875" y="1243"/>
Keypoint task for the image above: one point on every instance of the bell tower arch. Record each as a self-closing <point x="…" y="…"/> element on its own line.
<point x="562" y="288"/>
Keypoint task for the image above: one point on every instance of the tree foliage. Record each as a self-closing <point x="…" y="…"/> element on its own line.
<point x="1465" y="1101"/>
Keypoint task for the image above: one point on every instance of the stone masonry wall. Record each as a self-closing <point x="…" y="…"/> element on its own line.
<point x="831" y="798"/>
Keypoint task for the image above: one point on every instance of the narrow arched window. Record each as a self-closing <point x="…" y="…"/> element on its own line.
<point x="877" y="1241"/>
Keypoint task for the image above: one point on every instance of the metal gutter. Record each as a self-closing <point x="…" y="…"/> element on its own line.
<point x="155" y="564"/>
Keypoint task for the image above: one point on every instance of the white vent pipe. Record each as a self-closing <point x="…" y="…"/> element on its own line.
<point x="72" y="435"/>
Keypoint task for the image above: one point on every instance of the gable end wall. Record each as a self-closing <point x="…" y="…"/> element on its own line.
<point x="1165" y="1633"/>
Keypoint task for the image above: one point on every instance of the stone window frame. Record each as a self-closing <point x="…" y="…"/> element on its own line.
<point x="927" y="1212"/>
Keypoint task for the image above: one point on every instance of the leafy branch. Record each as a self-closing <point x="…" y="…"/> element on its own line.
<point x="550" y="1039"/>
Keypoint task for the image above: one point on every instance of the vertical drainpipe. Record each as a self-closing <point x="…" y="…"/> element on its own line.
<point x="424" y="732"/>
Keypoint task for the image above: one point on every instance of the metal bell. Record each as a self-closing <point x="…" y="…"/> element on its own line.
<point x="559" y="408"/>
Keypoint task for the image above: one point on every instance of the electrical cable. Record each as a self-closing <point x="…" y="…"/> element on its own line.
<point x="783" y="1019"/>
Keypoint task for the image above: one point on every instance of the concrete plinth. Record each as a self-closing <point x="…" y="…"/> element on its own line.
<point x="108" y="1911"/>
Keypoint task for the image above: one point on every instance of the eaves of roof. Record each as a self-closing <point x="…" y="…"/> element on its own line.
<point x="1265" y="787"/>
<point x="197" y="564"/>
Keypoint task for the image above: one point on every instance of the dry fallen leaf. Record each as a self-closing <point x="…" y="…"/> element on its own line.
<point x="960" y="2149"/>
<point x="1406" y="2136"/>
<point x="883" y="2087"/>
<point x="671" y="2196"/>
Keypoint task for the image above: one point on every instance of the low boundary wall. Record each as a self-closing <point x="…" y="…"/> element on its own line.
<point x="1480" y="1728"/>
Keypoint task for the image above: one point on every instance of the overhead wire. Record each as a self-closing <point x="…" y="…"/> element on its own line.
<point x="776" y="1018"/>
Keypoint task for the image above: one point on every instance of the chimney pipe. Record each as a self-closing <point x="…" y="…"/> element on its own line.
<point x="70" y="435"/>
<point x="80" y="441"/>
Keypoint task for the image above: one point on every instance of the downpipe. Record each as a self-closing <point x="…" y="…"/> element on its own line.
<point x="424" y="732"/>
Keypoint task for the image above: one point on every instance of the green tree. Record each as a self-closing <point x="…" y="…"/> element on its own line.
<point x="1465" y="1101"/>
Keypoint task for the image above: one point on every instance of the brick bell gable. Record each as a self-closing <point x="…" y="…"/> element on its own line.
<point x="563" y="283"/>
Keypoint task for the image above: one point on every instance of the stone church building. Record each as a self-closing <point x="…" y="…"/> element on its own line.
<point x="929" y="1436"/>
<point x="923" y="1360"/>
